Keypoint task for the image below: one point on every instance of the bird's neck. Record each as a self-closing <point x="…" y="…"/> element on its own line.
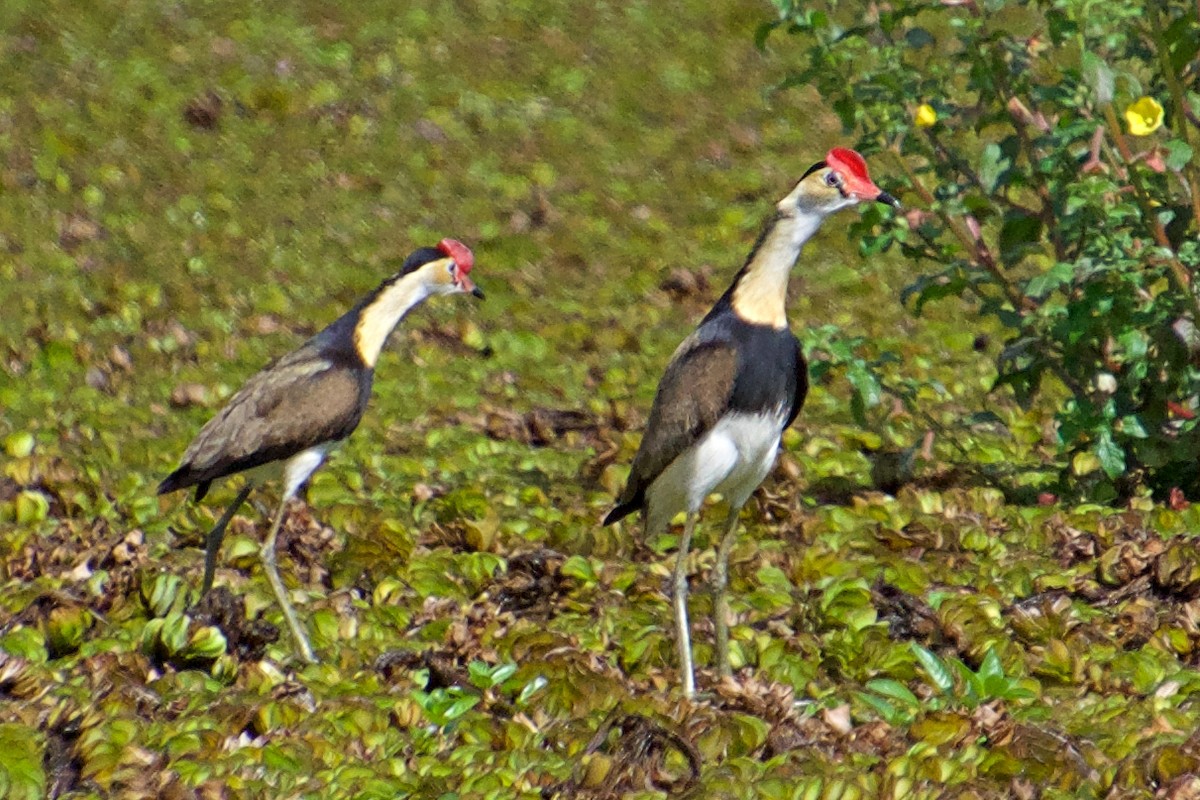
<point x="759" y="292"/>
<point x="378" y="314"/>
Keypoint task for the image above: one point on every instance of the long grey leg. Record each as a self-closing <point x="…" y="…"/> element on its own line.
<point x="682" y="635"/>
<point x="267" y="556"/>
<point x="720" y="581"/>
<point x="212" y="544"/>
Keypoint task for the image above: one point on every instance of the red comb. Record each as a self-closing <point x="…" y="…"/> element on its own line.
<point x="461" y="254"/>
<point x="848" y="162"/>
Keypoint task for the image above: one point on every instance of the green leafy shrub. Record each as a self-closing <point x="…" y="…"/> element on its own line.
<point x="955" y="685"/>
<point x="1036" y="205"/>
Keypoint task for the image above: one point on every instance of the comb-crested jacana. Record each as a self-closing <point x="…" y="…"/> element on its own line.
<point x="287" y="416"/>
<point x="731" y="389"/>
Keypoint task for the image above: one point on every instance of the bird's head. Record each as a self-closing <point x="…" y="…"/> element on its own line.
<point x="446" y="269"/>
<point x="838" y="182"/>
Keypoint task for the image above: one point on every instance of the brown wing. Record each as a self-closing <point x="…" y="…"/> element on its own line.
<point x="282" y="410"/>
<point x="692" y="396"/>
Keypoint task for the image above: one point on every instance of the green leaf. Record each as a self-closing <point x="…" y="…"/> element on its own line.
<point x="1110" y="454"/>
<point x="940" y="674"/>
<point x="1181" y="40"/>
<point x="166" y="593"/>
<point x="888" y="712"/>
<point x="27" y="643"/>
<point x="19" y="445"/>
<point x="206" y="643"/>
<point x="279" y="760"/>
<point x="894" y="689"/>
<point x="751" y="733"/>
<point x="461" y="706"/>
<point x="485" y="676"/>
<point x="32" y="507"/>
<point x="992" y="164"/>
<point x="174" y="633"/>
<point x="972" y="683"/>
<point x="1085" y="463"/>
<point x="1132" y="426"/>
<point x="1099" y="77"/>
<point x="1179" y="155"/>
<point x="57" y="356"/>
<point x="991" y="666"/>
<point x="479" y="673"/>
<point x="579" y="567"/>
<point x="1058" y="275"/>
<point x="22" y="776"/>
<point x="865" y="383"/>
<point x="530" y="689"/>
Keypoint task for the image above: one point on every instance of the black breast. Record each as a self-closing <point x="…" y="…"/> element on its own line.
<point x="772" y="374"/>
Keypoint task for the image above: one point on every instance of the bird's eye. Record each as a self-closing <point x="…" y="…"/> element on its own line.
<point x="451" y="267"/>
<point x="832" y="179"/>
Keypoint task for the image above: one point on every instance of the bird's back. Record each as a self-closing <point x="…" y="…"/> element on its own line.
<point x="310" y="397"/>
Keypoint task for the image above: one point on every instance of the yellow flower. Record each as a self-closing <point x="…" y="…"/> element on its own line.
<point x="925" y="117"/>
<point x="1144" y="117"/>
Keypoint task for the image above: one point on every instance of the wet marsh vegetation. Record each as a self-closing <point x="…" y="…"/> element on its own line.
<point x="188" y="190"/>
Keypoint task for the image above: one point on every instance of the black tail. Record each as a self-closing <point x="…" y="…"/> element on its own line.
<point x="172" y="482"/>
<point x="620" y="512"/>
<point x="183" y="479"/>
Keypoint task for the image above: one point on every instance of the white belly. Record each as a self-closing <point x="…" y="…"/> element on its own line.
<point x="732" y="458"/>
<point x="302" y="465"/>
<point x="294" y="471"/>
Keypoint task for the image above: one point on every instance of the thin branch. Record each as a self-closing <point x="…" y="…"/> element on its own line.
<point x="984" y="258"/>
<point x="1021" y="117"/>
<point x="1183" y="278"/>
<point x="969" y="173"/>
<point x="1178" y="103"/>
<point x="977" y="250"/>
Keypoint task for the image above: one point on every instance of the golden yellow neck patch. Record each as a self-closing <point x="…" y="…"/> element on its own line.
<point x="378" y="319"/>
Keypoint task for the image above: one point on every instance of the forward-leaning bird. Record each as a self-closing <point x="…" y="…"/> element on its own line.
<point x="731" y="389"/>
<point x="287" y="416"/>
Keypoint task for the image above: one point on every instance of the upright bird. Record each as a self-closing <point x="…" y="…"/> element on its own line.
<point x="287" y="416"/>
<point x="731" y="389"/>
